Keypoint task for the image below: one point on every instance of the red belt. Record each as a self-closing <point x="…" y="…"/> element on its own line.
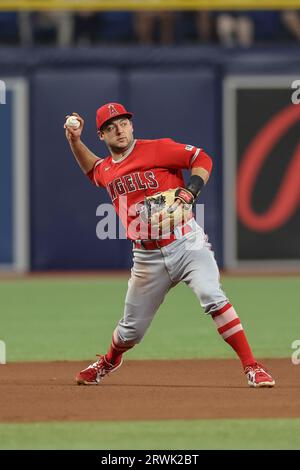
<point x="157" y="244"/>
<point x="152" y="244"/>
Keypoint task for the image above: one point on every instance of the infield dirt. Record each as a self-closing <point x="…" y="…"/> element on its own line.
<point x="146" y="390"/>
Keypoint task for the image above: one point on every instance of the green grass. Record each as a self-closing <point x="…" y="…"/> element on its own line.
<point x="57" y="319"/>
<point x="202" y="434"/>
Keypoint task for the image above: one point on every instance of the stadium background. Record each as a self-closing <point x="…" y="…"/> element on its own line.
<point x="199" y="85"/>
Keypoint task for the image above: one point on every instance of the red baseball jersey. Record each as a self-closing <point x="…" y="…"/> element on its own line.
<point x="148" y="167"/>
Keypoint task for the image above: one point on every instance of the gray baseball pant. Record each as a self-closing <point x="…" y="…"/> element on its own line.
<point x="155" y="272"/>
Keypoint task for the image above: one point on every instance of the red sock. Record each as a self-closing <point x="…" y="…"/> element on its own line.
<point x="231" y="330"/>
<point x="116" y="351"/>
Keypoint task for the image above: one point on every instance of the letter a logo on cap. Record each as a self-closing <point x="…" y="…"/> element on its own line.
<point x="112" y="110"/>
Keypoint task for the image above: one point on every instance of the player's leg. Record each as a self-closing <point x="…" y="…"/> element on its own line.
<point x="200" y="272"/>
<point x="147" y="287"/>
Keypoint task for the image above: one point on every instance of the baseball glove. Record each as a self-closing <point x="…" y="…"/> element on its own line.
<point x="167" y="210"/>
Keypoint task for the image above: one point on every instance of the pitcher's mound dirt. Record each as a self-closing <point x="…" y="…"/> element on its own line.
<point x="146" y="390"/>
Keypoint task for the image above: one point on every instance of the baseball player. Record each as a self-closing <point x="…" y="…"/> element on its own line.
<point x="139" y="174"/>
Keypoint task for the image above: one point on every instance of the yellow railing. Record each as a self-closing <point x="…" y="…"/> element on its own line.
<point x="146" y="4"/>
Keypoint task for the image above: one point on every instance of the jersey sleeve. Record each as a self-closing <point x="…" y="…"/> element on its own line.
<point x="95" y="174"/>
<point x="171" y="154"/>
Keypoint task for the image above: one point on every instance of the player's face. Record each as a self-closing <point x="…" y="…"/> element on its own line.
<point x="118" y="134"/>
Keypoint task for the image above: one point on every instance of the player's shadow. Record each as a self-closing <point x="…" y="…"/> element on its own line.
<point x="173" y="386"/>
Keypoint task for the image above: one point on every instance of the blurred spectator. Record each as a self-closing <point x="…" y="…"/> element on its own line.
<point x="204" y="26"/>
<point x="107" y="27"/>
<point x="291" y="21"/>
<point x="230" y="28"/>
<point x="117" y="27"/>
<point x="267" y="26"/>
<point x="273" y="26"/>
<point x="194" y="26"/>
<point x="25" y="28"/>
<point x="53" y="27"/>
<point x="235" y="28"/>
<point x="9" y="28"/>
<point x="184" y="27"/>
<point x="86" y="27"/>
<point x="155" y="26"/>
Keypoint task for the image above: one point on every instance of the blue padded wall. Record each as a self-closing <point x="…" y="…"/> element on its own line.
<point x="63" y="201"/>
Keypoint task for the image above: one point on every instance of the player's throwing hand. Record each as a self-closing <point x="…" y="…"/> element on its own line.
<point x="73" y="132"/>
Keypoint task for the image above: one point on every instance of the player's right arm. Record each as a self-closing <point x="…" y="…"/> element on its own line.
<point x="85" y="158"/>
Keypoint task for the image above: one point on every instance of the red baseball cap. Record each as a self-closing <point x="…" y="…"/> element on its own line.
<point x="110" y="111"/>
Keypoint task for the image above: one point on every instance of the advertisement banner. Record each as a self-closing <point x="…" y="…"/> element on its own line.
<point x="262" y="171"/>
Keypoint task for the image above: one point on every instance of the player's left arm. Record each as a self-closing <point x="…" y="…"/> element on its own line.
<point x="189" y="194"/>
<point x="200" y="172"/>
<point x="179" y="156"/>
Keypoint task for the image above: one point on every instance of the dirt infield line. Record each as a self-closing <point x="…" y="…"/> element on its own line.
<point x="146" y="390"/>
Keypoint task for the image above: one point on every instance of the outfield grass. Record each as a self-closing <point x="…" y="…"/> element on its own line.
<point x="58" y="319"/>
<point x="200" y="434"/>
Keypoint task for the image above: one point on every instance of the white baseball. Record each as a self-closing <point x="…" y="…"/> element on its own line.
<point x="73" y="122"/>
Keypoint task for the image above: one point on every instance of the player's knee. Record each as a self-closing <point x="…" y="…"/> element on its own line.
<point x="137" y="335"/>
<point x="212" y="299"/>
<point x="211" y="308"/>
<point x="131" y="334"/>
